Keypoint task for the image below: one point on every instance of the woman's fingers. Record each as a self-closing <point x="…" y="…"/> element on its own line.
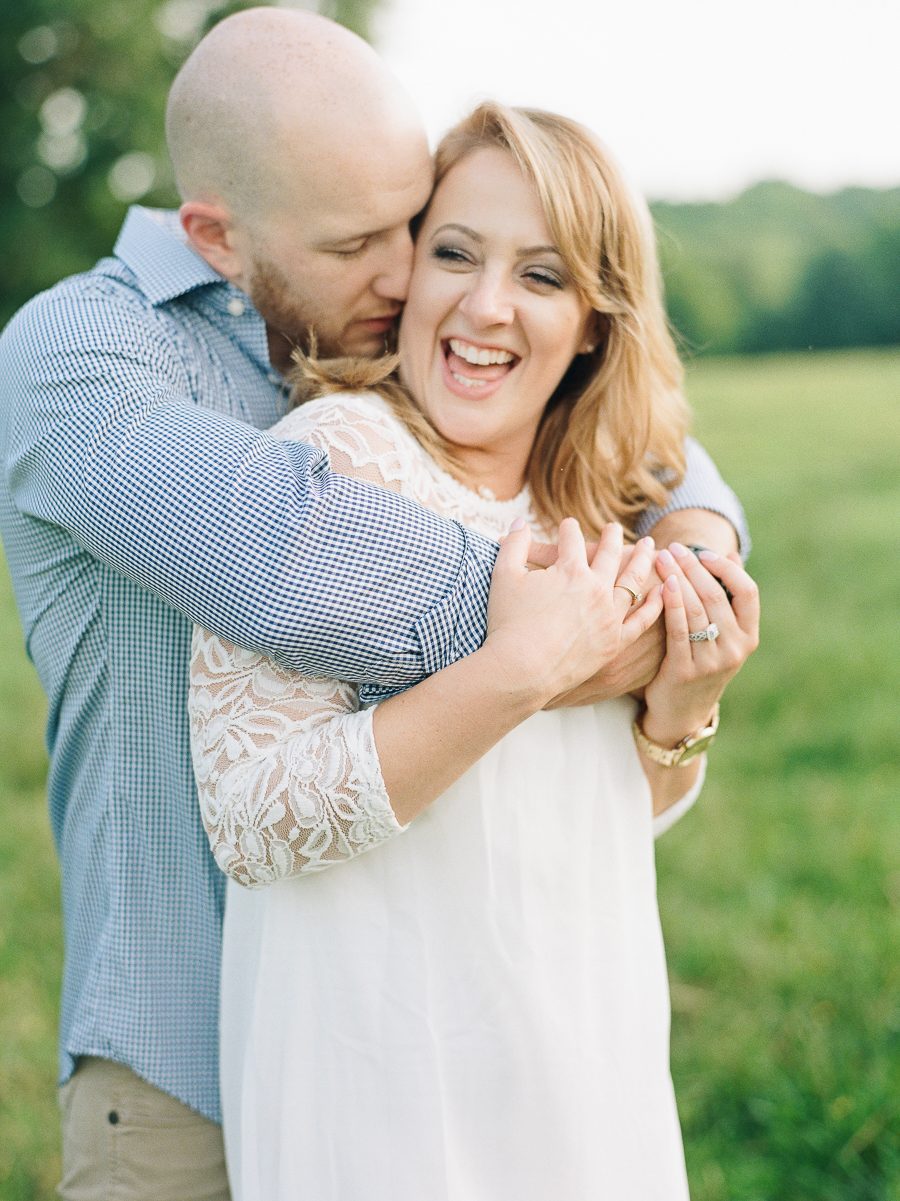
<point x="741" y="586"/>
<point x="678" y="643"/>
<point x="707" y="587"/>
<point x="628" y="569"/>
<point x="697" y="615"/>
<point x="642" y="617"/>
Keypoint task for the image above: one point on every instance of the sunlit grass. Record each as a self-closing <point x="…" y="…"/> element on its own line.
<point x="30" y="934"/>
<point x="780" y="893"/>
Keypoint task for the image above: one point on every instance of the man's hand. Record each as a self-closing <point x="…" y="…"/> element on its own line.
<point x="631" y="671"/>
<point x="638" y="664"/>
<point x="696" y="527"/>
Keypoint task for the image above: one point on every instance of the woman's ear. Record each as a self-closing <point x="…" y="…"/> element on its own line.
<point x="209" y="230"/>
<point x="595" y="333"/>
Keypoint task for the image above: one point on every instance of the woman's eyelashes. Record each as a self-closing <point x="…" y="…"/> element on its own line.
<point x="545" y="278"/>
<point x="456" y="256"/>
<point x="445" y="253"/>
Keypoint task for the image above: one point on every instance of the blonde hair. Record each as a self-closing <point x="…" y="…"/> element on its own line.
<point x="611" y="438"/>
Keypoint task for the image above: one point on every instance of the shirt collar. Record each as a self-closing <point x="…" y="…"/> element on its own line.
<point x="152" y="244"/>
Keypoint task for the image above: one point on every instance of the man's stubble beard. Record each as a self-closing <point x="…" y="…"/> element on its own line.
<point x="270" y="292"/>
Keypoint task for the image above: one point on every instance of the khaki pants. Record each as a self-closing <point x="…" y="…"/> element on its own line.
<point x="124" y="1140"/>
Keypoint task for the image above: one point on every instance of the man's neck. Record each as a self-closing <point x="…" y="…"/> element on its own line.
<point x="280" y="350"/>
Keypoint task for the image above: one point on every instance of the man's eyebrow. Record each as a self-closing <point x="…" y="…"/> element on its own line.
<point x="476" y="237"/>
<point x="360" y="237"/>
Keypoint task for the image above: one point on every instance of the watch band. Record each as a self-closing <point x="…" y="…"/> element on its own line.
<point x="686" y="750"/>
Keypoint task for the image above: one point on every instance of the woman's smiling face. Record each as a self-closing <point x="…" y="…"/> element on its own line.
<point x="493" y="318"/>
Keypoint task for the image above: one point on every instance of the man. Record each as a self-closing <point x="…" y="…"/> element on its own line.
<point x="139" y="495"/>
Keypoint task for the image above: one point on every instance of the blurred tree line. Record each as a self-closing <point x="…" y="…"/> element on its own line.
<point x="82" y="96"/>
<point x="83" y="86"/>
<point x="778" y="268"/>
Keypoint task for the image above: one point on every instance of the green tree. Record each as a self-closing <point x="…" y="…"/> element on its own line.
<point x="82" y="96"/>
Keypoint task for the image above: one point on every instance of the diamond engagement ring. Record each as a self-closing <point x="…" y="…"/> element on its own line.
<point x="636" y="597"/>
<point x="710" y="634"/>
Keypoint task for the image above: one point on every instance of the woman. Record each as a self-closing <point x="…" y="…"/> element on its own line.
<point x="477" y="1006"/>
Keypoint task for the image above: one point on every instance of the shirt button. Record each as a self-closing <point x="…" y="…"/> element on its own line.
<point x="236" y="307"/>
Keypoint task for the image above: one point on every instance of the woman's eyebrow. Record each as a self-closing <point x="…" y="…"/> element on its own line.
<point x="463" y="229"/>
<point x="477" y="237"/>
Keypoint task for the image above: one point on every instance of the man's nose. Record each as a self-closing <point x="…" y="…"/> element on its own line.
<point x="392" y="281"/>
<point x="487" y="300"/>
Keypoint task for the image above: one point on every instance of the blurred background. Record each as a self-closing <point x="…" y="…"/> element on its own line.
<point x="765" y="136"/>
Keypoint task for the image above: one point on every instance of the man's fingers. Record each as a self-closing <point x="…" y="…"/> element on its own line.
<point x="512" y="557"/>
<point x="571" y="544"/>
<point x="542" y="554"/>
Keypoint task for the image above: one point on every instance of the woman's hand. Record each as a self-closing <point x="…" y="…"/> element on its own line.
<point x="693" y="674"/>
<point x="551" y="629"/>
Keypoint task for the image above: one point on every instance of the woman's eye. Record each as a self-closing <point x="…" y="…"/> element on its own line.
<point x="450" y="254"/>
<point x="546" y="278"/>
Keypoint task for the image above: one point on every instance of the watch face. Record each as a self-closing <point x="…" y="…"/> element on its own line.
<point x="698" y="747"/>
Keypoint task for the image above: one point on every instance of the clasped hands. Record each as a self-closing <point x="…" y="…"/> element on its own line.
<point x="680" y="679"/>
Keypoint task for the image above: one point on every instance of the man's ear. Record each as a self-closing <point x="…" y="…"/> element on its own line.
<point x="210" y="231"/>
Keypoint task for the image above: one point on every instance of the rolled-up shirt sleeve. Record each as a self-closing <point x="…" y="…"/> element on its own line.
<point x="701" y="488"/>
<point x="251" y="537"/>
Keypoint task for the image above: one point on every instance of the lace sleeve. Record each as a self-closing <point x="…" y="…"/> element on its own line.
<point x="286" y="764"/>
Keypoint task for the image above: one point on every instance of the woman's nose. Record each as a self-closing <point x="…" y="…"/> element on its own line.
<point x="488" y="302"/>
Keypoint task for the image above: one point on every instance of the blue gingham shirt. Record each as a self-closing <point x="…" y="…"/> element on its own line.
<point x="139" y="496"/>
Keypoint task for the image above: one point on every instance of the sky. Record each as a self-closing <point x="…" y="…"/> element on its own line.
<point x="696" y="98"/>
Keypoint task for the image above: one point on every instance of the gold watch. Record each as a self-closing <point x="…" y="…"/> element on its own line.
<point x="686" y="750"/>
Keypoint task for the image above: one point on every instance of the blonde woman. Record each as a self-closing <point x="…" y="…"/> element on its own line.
<point x="471" y="1001"/>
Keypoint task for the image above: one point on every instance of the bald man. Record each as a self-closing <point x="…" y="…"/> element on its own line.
<point x="139" y="494"/>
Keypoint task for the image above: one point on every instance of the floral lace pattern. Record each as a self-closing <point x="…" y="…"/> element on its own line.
<point x="286" y="764"/>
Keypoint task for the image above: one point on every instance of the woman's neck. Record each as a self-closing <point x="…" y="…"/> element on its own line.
<point x="502" y="474"/>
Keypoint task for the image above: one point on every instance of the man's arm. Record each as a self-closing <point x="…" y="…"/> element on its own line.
<point x="252" y="537"/>
<point x="699" y="510"/>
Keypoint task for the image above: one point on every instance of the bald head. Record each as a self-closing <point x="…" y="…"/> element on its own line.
<point x="274" y="97"/>
<point x="301" y="162"/>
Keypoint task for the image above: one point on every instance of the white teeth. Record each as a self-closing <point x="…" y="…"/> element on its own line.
<point x="469" y="383"/>
<point x="481" y="356"/>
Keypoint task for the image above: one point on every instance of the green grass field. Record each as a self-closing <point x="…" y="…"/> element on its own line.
<point x="780" y="893"/>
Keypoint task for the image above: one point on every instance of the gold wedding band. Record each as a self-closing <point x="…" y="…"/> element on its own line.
<point x="636" y="597"/>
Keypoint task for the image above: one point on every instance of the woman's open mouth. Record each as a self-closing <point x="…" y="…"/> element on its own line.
<point x="475" y="370"/>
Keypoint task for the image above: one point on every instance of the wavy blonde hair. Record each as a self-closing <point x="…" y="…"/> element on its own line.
<point x="611" y="438"/>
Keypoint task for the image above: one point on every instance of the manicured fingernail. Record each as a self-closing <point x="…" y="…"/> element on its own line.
<point x="648" y="543"/>
<point x="708" y="556"/>
<point x="665" y="558"/>
<point x="518" y="524"/>
<point x="672" y="584"/>
<point x="678" y="550"/>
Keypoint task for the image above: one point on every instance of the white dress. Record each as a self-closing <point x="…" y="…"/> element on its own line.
<point x="474" y="1009"/>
